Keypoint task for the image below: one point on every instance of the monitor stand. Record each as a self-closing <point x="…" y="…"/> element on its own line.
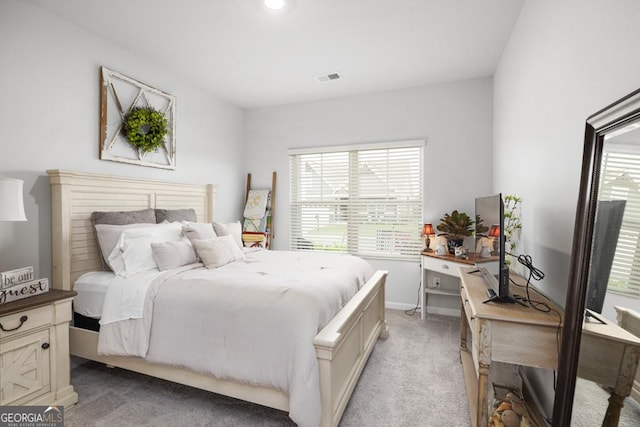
<point x="493" y="297"/>
<point x="590" y="316"/>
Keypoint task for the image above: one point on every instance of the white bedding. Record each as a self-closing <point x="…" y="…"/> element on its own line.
<point x="91" y="288"/>
<point x="252" y="320"/>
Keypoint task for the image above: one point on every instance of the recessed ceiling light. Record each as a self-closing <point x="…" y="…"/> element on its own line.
<point x="274" y="4"/>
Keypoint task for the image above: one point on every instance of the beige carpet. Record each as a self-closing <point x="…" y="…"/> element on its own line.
<point x="414" y="378"/>
<point x="590" y="405"/>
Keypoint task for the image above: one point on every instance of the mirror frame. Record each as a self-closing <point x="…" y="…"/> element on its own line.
<point x="612" y="117"/>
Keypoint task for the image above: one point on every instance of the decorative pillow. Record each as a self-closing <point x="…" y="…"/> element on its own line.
<point x="198" y="230"/>
<point x="123" y="218"/>
<point x="175" y="215"/>
<point x="132" y="253"/>
<point x="218" y="252"/>
<point x="108" y="236"/>
<point x="144" y="216"/>
<point x="233" y="228"/>
<point x="173" y="254"/>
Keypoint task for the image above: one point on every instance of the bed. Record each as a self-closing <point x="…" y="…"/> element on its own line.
<point x="342" y="347"/>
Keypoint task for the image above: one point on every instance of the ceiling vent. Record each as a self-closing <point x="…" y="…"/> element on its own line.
<point x="328" y="77"/>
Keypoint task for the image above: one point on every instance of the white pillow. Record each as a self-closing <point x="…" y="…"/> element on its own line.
<point x="233" y="228"/>
<point x="173" y="254"/>
<point x="218" y="252"/>
<point x="132" y="253"/>
<point x="109" y="234"/>
<point x="198" y="230"/>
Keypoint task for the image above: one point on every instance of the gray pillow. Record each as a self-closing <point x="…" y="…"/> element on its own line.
<point x="175" y="215"/>
<point x="144" y="216"/>
<point x="123" y="218"/>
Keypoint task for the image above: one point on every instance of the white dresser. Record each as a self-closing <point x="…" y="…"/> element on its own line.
<point x="433" y="265"/>
<point x="34" y="350"/>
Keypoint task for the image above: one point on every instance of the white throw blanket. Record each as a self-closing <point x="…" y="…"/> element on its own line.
<point x="252" y="321"/>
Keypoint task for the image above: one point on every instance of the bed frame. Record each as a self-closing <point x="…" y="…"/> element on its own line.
<point x="342" y="346"/>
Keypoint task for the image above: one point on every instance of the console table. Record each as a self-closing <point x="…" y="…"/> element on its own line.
<point x="501" y="332"/>
<point x="609" y="356"/>
<point x="440" y="264"/>
<point x="518" y="335"/>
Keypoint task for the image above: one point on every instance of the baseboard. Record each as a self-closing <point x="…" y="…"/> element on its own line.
<point x="532" y="398"/>
<point x="399" y="306"/>
<point x="455" y="312"/>
<point x="430" y="310"/>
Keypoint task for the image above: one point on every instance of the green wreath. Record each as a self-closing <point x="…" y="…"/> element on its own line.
<point x="145" y="128"/>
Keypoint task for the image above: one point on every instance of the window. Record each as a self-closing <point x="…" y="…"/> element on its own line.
<point x="620" y="181"/>
<point x="364" y="200"/>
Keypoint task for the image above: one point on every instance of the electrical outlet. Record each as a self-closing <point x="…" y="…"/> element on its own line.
<point x="436" y="282"/>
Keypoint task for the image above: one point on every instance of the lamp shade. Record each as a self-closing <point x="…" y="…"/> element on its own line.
<point x="11" y="200"/>
<point x="427" y="229"/>
<point x="494" y="231"/>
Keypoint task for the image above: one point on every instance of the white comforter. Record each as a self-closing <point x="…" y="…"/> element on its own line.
<point x="251" y="321"/>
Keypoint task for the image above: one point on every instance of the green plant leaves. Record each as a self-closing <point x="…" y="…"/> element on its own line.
<point x="456" y="225"/>
<point x="145" y="128"/>
<point x="512" y="223"/>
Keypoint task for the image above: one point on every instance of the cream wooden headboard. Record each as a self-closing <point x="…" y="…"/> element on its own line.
<point x="74" y="195"/>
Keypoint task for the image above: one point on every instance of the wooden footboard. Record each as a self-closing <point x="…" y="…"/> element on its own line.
<point x="345" y="343"/>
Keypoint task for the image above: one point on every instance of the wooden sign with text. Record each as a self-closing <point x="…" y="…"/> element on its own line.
<point x="16" y="277"/>
<point x="24" y="290"/>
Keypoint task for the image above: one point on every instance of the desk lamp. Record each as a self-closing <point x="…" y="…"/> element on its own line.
<point x="11" y="200"/>
<point x="427" y="230"/>
<point x="494" y="233"/>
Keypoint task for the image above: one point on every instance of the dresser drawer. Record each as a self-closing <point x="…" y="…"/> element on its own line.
<point x="25" y="321"/>
<point x="466" y="305"/>
<point x="436" y="265"/>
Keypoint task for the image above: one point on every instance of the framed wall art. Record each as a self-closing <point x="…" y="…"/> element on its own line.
<point x="137" y="122"/>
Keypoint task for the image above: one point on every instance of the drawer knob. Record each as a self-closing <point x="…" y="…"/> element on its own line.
<point x="22" y="320"/>
<point x="445" y="267"/>
<point x="45" y="345"/>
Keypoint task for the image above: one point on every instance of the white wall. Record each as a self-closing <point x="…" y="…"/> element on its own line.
<point x="455" y="119"/>
<point x="49" y="112"/>
<point x="565" y="60"/>
<point x="49" y="119"/>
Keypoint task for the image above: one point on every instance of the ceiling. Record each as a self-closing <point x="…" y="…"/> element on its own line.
<point x="255" y="58"/>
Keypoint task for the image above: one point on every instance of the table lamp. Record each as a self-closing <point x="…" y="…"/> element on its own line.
<point x="427" y="230"/>
<point x="494" y="233"/>
<point x="11" y="200"/>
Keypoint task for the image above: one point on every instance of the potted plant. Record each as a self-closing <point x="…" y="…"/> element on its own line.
<point x="456" y="226"/>
<point x="512" y="224"/>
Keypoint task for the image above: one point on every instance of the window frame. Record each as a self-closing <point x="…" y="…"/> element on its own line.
<point x="402" y="238"/>
<point x="612" y="157"/>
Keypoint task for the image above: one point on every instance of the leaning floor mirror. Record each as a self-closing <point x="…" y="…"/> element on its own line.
<point x="600" y="346"/>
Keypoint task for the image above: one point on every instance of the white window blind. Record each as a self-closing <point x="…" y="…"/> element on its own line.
<point x="620" y="180"/>
<point x="363" y="200"/>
